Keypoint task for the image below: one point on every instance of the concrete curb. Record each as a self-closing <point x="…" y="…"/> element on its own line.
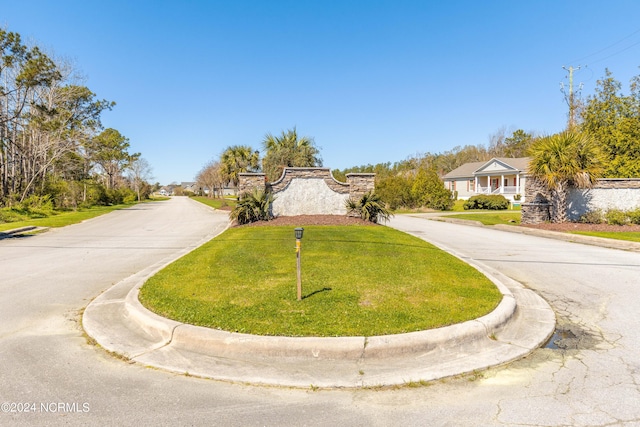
<point x="118" y="322"/>
<point x="18" y="231"/>
<point x="557" y="235"/>
<point x="573" y="238"/>
<point x="231" y="344"/>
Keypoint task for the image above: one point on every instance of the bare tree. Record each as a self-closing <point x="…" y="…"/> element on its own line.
<point x="139" y="174"/>
<point x="211" y="177"/>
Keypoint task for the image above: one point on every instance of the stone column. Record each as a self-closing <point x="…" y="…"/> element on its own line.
<point x="535" y="210"/>
<point x="360" y="184"/>
<point x="247" y="182"/>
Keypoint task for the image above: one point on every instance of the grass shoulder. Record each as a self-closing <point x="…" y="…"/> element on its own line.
<point x="59" y="218"/>
<point x="630" y="236"/>
<point x="357" y="281"/>
<point x="487" y="217"/>
<point x="216" y="203"/>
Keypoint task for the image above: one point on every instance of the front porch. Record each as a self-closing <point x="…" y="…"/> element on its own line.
<point x="506" y="185"/>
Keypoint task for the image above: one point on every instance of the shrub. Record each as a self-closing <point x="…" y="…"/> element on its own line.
<point x="37" y="206"/>
<point x="253" y="207"/>
<point x="616" y="217"/>
<point x="593" y="217"/>
<point x="395" y="191"/>
<point x="429" y="191"/>
<point x="492" y="202"/>
<point x="370" y="208"/>
<point x="634" y="216"/>
<point x="10" y="215"/>
<point x="115" y="196"/>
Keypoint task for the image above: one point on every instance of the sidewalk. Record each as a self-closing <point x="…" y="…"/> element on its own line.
<point x="521" y="323"/>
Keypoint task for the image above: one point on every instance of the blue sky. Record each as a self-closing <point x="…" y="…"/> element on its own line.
<point x="370" y="81"/>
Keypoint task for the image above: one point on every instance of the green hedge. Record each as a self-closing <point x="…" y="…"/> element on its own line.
<point x="612" y="217"/>
<point x="492" y="202"/>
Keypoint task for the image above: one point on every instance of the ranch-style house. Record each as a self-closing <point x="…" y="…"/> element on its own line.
<point x="500" y="175"/>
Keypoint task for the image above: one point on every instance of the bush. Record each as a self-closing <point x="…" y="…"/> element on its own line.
<point x="634" y="216"/>
<point x="429" y="191"/>
<point x="593" y="217"/>
<point x="10" y="215"/>
<point x="253" y="207"/>
<point x="616" y="217"/>
<point x="492" y="202"/>
<point x="37" y="206"/>
<point x="115" y="196"/>
<point x="370" y="208"/>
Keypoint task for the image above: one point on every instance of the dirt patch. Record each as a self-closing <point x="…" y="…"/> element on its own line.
<point x="302" y="220"/>
<point x="575" y="226"/>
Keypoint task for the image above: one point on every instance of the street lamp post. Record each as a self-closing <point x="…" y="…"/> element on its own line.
<point x="298" y="231"/>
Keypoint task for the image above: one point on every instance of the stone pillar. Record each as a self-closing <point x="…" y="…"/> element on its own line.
<point x="360" y="184"/>
<point x="247" y="182"/>
<point x="537" y="196"/>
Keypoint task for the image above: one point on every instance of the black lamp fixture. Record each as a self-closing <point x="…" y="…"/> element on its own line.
<point x="299" y="232"/>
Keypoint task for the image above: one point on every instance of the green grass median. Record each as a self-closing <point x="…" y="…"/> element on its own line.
<point x="631" y="236"/>
<point x="491" y="217"/>
<point x="62" y="218"/>
<point x="356" y="280"/>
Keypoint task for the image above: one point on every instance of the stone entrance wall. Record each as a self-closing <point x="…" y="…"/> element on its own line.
<point x="309" y="191"/>
<point x="607" y="194"/>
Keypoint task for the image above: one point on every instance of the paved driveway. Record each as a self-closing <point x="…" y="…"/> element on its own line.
<point x="48" y="368"/>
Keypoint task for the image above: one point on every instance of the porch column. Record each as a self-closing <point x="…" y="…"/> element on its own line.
<point x="475" y="184"/>
<point x="501" y="184"/>
<point x="518" y="183"/>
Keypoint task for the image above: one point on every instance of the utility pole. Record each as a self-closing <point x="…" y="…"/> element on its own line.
<point x="570" y="98"/>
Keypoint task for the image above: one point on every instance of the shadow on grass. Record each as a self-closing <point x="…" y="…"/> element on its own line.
<point x="316" y="292"/>
<point x="319" y="240"/>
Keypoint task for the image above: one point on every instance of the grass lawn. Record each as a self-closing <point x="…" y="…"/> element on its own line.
<point x="61" y="219"/>
<point x="356" y="281"/>
<point x="215" y="203"/>
<point x="620" y="235"/>
<point x="491" y="217"/>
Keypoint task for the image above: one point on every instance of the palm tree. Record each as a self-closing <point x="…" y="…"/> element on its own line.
<point x="369" y="207"/>
<point x="563" y="159"/>
<point x="287" y="150"/>
<point x="253" y="207"/>
<point x="239" y="159"/>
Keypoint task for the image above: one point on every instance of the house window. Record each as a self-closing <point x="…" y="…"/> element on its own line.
<point x="471" y="185"/>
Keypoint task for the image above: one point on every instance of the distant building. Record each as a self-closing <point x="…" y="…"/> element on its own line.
<point x="500" y="175"/>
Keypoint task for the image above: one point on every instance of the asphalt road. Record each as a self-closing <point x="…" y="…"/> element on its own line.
<point x="51" y="375"/>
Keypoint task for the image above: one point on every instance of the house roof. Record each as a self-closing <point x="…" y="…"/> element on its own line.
<point x="464" y="171"/>
<point x="469" y="170"/>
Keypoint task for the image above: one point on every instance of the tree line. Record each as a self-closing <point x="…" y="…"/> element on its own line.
<point x="285" y="150"/>
<point x="414" y="182"/>
<point x="604" y="142"/>
<point x="608" y="117"/>
<point x="53" y="147"/>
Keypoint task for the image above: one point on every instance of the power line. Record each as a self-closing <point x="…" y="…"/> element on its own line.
<point x="616" y="53"/>
<point x="609" y="47"/>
